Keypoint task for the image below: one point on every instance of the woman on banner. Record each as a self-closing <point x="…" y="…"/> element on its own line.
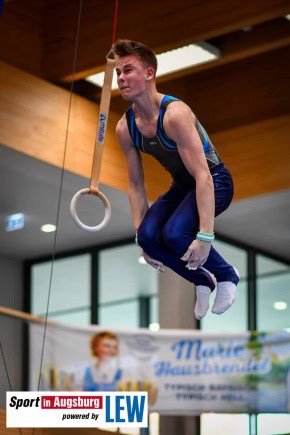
<point x="104" y="374"/>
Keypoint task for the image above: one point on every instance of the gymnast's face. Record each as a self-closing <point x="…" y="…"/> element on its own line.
<point x="132" y="76"/>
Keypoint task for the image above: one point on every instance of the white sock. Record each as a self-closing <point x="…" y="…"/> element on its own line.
<point x="225" y="296"/>
<point x="202" y="301"/>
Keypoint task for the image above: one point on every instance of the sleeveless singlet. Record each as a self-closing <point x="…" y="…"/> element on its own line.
<point x="164" y="149"/>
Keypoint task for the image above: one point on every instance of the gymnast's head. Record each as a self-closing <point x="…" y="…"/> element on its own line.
<point x="136" y="66"/>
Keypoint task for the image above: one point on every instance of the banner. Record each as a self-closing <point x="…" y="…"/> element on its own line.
<point x="66" y="409"/>
<point x="184" y="372"/>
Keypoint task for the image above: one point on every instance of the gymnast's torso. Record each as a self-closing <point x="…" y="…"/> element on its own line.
<point x="164" y="149"/>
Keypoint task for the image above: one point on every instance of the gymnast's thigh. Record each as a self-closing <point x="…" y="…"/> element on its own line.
<point x="159" y="213"/>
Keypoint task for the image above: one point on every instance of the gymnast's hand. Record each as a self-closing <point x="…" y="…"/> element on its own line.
<point x="154" y="263"/>
<point x="196" y="254"/>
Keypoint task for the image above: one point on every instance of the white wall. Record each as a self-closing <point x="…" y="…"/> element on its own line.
<point x="11" y="295"/>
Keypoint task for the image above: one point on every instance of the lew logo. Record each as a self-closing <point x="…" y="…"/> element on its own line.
<point x="86" y="409"/>
<point x="126" y="408"/>
<point x="102" y="127"/>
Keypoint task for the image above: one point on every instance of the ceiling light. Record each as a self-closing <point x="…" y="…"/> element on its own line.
<point x="48" y="228"/>
<point x="141" y="260"/>
<point x="172" y="61"/>
<point x="287" y="17"/>
<point x="280" y="305"/>
<point x="154" y="327"/>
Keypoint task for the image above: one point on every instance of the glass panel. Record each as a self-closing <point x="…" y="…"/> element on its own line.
<point x="266" y="265"/>
<point x="234" y="319"/>
<point x="70" y="287"/>
<point x="154" y="309"/>
<point x="224" y="424"/>
<point x="273" y="424"/>
<point x="233" y="255"/>
<point x="82" y="317"/>
<point x="273" y="298"/>
<point x="123" y="315"/>
<point x="121" y="276"/>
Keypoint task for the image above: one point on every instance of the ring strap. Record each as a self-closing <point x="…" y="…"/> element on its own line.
<point x="98" y="155"/>
<point x="102" y="124"/>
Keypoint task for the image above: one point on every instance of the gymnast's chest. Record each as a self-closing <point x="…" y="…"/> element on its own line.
<point x="155" y="147"/>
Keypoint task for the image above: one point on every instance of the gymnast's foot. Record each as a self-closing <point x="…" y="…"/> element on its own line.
<point x="202" y="301"/>
<point x="225" y="294"/>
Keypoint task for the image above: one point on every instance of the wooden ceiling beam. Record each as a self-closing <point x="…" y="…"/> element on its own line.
<point x="256" y="40"/>
<point x="242" y="44"/>
<point x="234" y="94"/>
<point x="20" y="35"/>
<point x="258" y="156"/>
<point x="33" y="121"/>
<point x="33" y="116"/>
<point x="239" y="93"/>
<point x="162" y="25"/>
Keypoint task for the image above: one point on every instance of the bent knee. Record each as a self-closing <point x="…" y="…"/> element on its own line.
<point x="146" y="236"/>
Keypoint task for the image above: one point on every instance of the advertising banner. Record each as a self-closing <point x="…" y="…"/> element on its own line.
<point x="184" y="372"/>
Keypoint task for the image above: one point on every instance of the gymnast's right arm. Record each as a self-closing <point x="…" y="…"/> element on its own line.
<point x="137" y="191"/>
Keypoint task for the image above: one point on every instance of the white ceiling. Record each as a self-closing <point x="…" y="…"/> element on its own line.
<point x="32" y="187"/>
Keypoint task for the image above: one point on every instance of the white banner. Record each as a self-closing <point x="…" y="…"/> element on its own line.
<point x="184" y="372"/>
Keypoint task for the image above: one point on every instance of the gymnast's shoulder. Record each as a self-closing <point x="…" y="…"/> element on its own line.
<point x="122" y="133"/>
<point x="176" y="113"/>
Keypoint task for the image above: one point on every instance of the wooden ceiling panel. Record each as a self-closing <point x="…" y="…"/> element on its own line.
<point x="239" y="93"/>
<point x="242" y="44"/>
<point x="162" y="25"/>
<point x="243" y="99"/>
<point x="20" y="34"/>
<point x="254" y="40"/>
<point x="235" y="94"/>
<point x="33" y="116"/>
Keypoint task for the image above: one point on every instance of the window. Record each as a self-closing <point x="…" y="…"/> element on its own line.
<point x="273" y="294"/>
<point x="120" y="315"/>
<point x="235" y="319"/>
<point x="154" y="309"/>
<point x="122" y="281"/>
<point x="233" y="255"/>
<point x="75" y="317"/>
<point x="70" y="295"/>
<point x="273" y="313"/>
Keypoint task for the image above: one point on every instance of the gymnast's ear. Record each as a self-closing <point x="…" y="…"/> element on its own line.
<point x="150" y="74"/>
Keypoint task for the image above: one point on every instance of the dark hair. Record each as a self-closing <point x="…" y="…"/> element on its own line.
<point x="126" y="47"/>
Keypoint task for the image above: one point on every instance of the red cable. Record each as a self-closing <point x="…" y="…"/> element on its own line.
<point x="115" y="22"/>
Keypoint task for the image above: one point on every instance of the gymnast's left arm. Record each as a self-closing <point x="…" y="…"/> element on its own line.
<point x="179" y="126"/>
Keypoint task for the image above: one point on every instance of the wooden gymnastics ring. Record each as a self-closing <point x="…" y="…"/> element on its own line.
<point x="98" y="154"/>
<point x="104" y="200"/>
